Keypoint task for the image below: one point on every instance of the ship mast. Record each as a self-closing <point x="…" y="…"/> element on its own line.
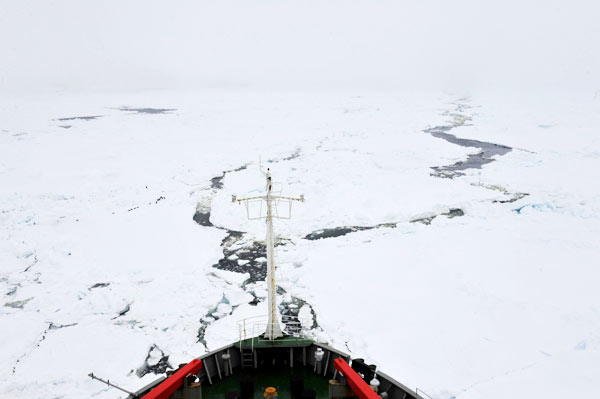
<point x="273" y="329"/>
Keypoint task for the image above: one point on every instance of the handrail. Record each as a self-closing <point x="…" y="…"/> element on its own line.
<point x="423" y="392"/>
<point x="253" y="327"/>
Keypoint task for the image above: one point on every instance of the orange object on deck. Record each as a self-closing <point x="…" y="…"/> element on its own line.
<point x="270" y="392"/>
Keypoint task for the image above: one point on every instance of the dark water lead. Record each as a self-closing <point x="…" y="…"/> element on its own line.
<point x="343" y="230"/>
<point x="146" y="110"/>
<point x="335" y="232"/>
<point x="473" y="161"/>
<point x="290" y="312"/>
<point x="156" y="362"/>
<point x="216" y="183"/>
<point x="123" y="312"/>
<point x="80" y="118"/>
<point x="241" y="255"/>
<point x="55" y="326"/>
<point x="293" y="155"/>
<point x="18" y="304"/>
<point x="211" y="316"/>
<point x="202" y="217"/>
<point x="98" y="285"/>
<point x="452" y="213"/>
<point x="513" y="198"/>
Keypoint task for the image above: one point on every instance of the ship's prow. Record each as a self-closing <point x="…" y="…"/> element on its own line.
<point x="298" y="368"/>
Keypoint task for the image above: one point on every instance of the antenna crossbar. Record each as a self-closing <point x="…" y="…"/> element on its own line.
<point x="264" y="197"/>
<point x="110" y="384"/>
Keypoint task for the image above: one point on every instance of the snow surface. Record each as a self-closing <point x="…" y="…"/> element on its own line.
<point x="125" y="127"/>
<point x="101" y="262"/>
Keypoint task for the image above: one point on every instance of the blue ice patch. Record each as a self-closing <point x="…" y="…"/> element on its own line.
<point x="581" y="346"/>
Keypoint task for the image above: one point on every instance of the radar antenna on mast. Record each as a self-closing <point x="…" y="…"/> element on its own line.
<point x="273" y="330"/>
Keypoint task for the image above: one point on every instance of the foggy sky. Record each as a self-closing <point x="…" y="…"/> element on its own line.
<point x="115" y="45"/>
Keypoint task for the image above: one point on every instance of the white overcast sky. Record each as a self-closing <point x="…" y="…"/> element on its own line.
<point x="115" y="45"/>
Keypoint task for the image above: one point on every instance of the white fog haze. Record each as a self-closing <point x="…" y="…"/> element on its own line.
<point x="338" y="44"/>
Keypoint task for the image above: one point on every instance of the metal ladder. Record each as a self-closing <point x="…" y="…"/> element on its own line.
<point x="247" y="357"/>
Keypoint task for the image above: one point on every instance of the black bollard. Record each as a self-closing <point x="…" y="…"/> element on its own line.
<point x="247" y="387"/>
<point x="296" y="386"/>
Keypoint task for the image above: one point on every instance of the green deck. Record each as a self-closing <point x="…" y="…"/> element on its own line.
<point x="278" y="377"/>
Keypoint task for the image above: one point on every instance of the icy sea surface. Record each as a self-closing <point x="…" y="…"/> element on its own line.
<point x="451" y="240"/>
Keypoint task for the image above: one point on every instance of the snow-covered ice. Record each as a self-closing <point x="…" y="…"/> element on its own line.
<point x="449" y="153"/>
<point x="103" y="268"/>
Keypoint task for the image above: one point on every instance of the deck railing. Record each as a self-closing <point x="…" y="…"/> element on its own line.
<point x="420" y="394"/>
<point x="254" y="327"/>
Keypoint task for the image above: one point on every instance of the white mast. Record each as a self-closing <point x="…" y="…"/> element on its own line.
<point x="273" y="330"/>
